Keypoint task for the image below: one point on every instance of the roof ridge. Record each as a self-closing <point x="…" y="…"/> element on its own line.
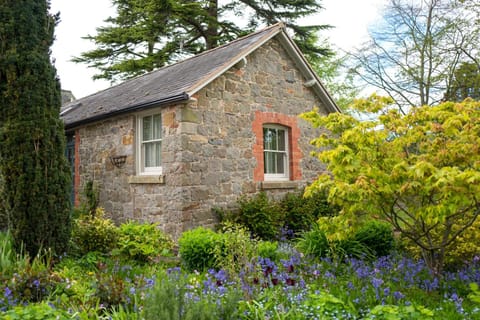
<point x="277" y="25"/>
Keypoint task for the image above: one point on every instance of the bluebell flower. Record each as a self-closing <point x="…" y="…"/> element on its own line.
<point x="376" y="282"/>
<point x="398" y="295"/>
<point x="7" y="294"/>
<point x="149" y="282"/>
<point x="431" y="285"/>
<point x="386" y="291"/>
<point x="458" y="301"/>
<point x="362" y="272"/>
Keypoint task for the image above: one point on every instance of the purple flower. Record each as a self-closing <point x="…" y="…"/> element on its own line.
<point x="7" y="292"/>
<point x="268" y="266"/>
<point x="36" y="283"/>
<point x="149" y="283"/>
<point x="174" y="270"/>
<point x="221" y="277"/>
<point x="458" y="302"/>
<point x="398" y="295"/>
<point x="430" y="285"/>
<point x="386" y="292"/>
<point x="329" y="275"/>
<point x="362" y="272"/>
<point x="376" y="282"/>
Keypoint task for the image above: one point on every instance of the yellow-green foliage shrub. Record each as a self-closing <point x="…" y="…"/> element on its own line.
<point x="198" y="248"/>
<point x="143" y="242"/>
<point x="94" y="233"/>
<point x="467" y="245"/>
<point x="462" y="250"/>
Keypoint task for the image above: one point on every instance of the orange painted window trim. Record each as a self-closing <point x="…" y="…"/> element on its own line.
<point x="295" y="154"/>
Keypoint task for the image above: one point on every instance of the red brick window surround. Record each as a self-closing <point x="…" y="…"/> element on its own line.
<point x="295" y="154"/>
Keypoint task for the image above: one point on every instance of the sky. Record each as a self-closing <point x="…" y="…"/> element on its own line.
<point x="78" y="19"/>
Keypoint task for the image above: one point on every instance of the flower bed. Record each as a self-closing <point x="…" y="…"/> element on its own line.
<point x="392" y="287"/>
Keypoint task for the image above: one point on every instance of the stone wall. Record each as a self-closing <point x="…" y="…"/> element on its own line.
<point x="210" y="146"/>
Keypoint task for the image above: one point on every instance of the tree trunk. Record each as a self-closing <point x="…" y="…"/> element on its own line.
<point x="211" y="38"/>
<point x="434" y="261"/>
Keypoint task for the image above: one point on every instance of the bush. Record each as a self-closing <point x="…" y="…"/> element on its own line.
<point x="302" y="212"/>
<point x="236" y="249"/>
<point x="377" y="236"/>
<point x="142" y="242"/>
<point x="40" y="311"/>
<point x="268" y="249"/>
<point x="198" y="248"/>
<point x="465" y="247"/>
<point x="94" y="233"/>
<point x="313" y="242"/>
<point x="262" y="216"/>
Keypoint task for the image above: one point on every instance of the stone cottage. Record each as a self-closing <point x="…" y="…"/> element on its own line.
<point x="172" y="144"/>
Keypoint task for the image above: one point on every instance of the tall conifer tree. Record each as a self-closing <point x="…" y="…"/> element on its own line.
<point x="147" y="34"/>
<point x="33" y="167"/>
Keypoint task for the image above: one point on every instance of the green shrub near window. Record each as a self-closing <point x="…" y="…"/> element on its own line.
<point x="268" y="249"/>
<point x="236" y="249"/>
<point x="377" y="236"/>
<point x="302" y="212"/>
<point x="94" y="233"/>
<point x="198" y="248"/>
<point x="263" y="217"/>
<point x="143" y="242"/>
<point x="269" y="219"/>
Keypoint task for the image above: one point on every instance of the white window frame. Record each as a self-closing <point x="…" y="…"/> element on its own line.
<point x="286" y="161"/>
<point x="140" y="151"/>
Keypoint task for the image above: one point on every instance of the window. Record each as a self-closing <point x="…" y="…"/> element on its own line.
<point x="275" y="152"/>
<point x="149" y="147"/>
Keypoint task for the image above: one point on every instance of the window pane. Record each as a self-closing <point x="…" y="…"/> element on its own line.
<point x="269" y="162"/>
<point x="149" y="153"/>
<point x="153" y="154"/>
<point x="281" y="140"/>
<point x="158" y="154"/>
<point x="147" y="128"/>
<point x="280" y="163"/>
<point x="274" y="139"/>
<point x="157" y="126"/>
<point x="267" y="139"/>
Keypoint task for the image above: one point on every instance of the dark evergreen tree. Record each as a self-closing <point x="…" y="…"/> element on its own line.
<point x="465" y="83"/>
<point x="147" y="34"/>
<point x="33" y="167"/>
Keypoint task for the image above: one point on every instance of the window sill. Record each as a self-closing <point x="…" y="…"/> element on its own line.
<point x="153" y="179"/>
<point x="267" y="185"/>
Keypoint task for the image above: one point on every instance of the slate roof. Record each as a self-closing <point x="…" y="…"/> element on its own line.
<point x="179" y="81"/>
